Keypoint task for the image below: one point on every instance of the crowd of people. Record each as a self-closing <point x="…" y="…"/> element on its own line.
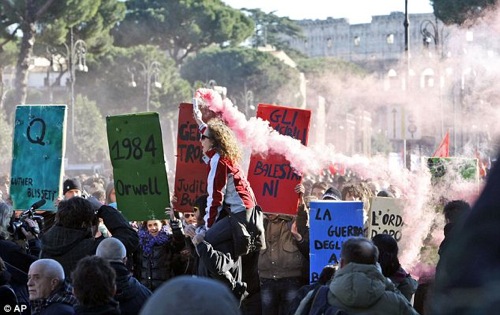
<point x="87" y="258"/>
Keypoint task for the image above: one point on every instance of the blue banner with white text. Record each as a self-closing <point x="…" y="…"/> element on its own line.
<point x="331" y="223"/>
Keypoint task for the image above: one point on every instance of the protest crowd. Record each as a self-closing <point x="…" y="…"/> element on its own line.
<point x="229" y="254"/>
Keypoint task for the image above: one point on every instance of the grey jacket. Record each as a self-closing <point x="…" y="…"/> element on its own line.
<point x="363" y="289"/>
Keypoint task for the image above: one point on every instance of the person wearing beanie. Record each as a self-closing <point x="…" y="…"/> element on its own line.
<point x="72" y="188"/>
<point x="332" y="193"/>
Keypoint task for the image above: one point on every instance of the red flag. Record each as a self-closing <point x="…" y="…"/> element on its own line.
<point x="444" y="148"/>
<point x="481" y="164"/>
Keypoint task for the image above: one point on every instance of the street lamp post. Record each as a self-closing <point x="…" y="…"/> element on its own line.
<point x="406" y="25"/>
<point x="222" y="90"/>
<point x="151" y="73"/>
<point x="248" y="102"/>
<point x="430" y="33"/>
<point x="76" y="60"/>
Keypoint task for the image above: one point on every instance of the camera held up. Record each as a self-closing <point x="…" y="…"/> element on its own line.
<point x="16" y="224"/>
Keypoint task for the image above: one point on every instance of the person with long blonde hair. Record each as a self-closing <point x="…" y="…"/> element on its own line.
<point x="227" y="185"/>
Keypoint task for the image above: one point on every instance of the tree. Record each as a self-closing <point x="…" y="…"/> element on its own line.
<point x="8" y="52"/>
<point x="270" y="28"/>
<point x="245" y="69"/>
<point x="330" y="78"/>
<point x="339" y="82"/>
<point x="54" y="18"/>
<point x="94" y="30"/>
<point x="90" y="135"/>
<point x="118" y="82"/>
<point x="182" y="27"/>
<point x="5" y="142"/>
<point x="461" y="11"/>
<point x="25" y="16"/>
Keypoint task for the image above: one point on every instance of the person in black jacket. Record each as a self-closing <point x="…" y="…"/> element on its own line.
<point x="48" y="290"/>
<point x="130" y="293"/>
<point x="218" y="263"/>
<point x="391" y="268"/>
<point x="72" y="236"/>
<point x="157" y="249"/>
<point x="16" y="258"/>
<point x="7" y="294"/>
<point x="94" y="285"/>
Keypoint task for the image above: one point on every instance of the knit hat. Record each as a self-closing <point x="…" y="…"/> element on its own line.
<point x="332" y="194"/>
<point x="70" y="184"/>
<point x="211" y="296"/>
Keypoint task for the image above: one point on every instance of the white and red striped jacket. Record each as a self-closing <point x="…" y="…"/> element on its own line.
<point x="226" y="184"/>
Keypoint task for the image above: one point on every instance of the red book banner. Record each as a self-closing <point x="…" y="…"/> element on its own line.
<point x="272" y="178"/>
<point x="190" y="170"/>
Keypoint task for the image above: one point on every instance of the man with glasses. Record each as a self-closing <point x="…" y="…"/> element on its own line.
<point x="189" y="218"/>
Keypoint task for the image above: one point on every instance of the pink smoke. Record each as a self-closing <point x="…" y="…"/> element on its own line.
<point x="421" y="198"/>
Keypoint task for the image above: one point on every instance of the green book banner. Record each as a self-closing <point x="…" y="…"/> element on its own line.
<point x="37" y="155"/>
<point x="140" y="177"/>
<point x="453" y="168"/>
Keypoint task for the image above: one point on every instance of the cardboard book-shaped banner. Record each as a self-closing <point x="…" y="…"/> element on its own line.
<point x="331" y="223"/>
<point x="386" y="217"/>
<point x="37" y="155"/>
<point x="190" y="170"/>
<point x="140" y="177"/>
<point x="451" y="169"/>
<point x="272" y="178"/>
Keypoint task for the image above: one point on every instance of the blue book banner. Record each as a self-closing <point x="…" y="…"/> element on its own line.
<point x="331" y="223"/>
<point x="37" y="155"/>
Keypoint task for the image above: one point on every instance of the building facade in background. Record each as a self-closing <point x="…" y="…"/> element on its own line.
<point x="381" y="40"/>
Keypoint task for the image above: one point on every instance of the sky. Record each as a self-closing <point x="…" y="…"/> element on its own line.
<point x="356" y="11"/>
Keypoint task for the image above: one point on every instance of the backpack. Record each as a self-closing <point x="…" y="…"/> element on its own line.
<point x="320" y="304"/>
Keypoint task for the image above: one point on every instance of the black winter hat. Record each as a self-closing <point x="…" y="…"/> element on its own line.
<point x="332" y="193"/>
<point x="71" y="183"/>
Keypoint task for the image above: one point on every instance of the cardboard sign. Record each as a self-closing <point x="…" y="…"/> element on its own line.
<point x="140" y="177"/>
<point x="385" y="217"/>
<point x="191" y="172"/>
<point x="272" y="178"/>
<point x="452" y="168"/>
<point x="331" y="223"/>
<point x="37" y="158"/>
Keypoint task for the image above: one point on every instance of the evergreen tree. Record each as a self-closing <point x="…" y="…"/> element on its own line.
<point x="461" y="11"/>
<point x="182" y="27"/>
<point x="89" y="19"/>
<point x="269" y="29"/>
<point x="5" y="142"/>
<point x="244" y="69"/>
<point x="118" y="82"/>
<point x="90" y="132"/>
